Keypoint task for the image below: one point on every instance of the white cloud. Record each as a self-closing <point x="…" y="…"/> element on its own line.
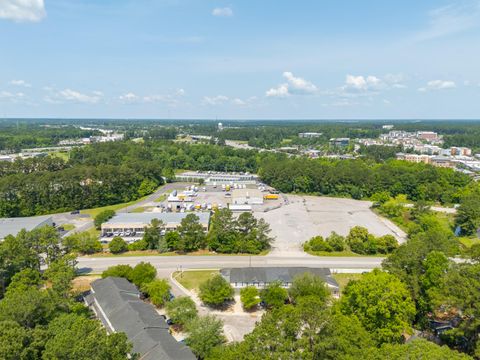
<point x="223" y="12"/>
<point x="363" y="83"/>
<point x="280" y="91"/>
<point x="10" y="96"/>
<point x="240" y="102"/>
<point x="438" y="85"/>
<point x="20" y="83"/>
<point x="293" y="86"/>
<point x="22" y="10"/>
<point x="215" y="100"/>
<point x="128" y="97"/>
<point x="450" y="19"/>
<point x="74" y="96"/>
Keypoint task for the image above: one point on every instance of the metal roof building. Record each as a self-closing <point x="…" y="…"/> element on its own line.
<point x="262" y="276"/>
<point x="12" y="226"/>
<point x="117" y="303"/>
<point x="131" y="226"/>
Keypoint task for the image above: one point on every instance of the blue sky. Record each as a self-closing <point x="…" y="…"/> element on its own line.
<point x="240" y="59"/>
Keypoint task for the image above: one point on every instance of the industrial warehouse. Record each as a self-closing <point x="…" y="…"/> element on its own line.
<point x="131" y="226"/>
<point x="213" y="178"/>
<point x="12" y="226"/>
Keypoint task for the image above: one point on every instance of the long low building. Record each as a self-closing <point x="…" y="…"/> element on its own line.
<point x="12" y="226"/>
<point x="116" y="302"/>
<point x="211" y="178"/>
<point x="261" y="277"/>
<point x="131" y="226"/>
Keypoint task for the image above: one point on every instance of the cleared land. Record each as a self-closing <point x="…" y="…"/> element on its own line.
<point x="306" y="216"/>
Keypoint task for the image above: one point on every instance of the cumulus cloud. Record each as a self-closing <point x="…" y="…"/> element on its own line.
<point x="241" y="102"/>
<point x="22" y="10"/>
<point x="293" y="86"/>
<point x="363" y="83"/>
<point x="438" y="85"/>
<point x="215" y="100"/>
<point x="20" y="83"/>
<point x="222" y="12"/>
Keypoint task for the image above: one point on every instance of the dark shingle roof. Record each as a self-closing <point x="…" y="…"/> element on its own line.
<point x="271" y="274"/>
<point x="118" y="304"/>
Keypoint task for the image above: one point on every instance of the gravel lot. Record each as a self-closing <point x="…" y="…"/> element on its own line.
<point x="303" y="217"/>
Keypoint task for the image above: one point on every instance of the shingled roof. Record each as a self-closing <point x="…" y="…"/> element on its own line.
<point x="271" y="274"/>
<point x="117" y="303"/>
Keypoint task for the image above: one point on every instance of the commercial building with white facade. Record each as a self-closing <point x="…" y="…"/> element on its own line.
<point x="219" y="178"/>
<point x="131" y="226"/>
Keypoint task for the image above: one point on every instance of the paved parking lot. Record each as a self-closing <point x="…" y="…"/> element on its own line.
<point x="307" y="216"/>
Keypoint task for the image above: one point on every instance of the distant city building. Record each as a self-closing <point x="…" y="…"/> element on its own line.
<point x="460" y="151"/>
<point x="427" y="135"/>
<point x="310" y="135"/>
<point x="118" y="305"/>
<point x="387" y="127"/>
<point x="220" y="126"/>
<point x="340" y="142"/>
<point x="7" y="158"/>
<point x="12" y="226"/>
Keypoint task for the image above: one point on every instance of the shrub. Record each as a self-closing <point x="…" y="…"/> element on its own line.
<point x="138" y="245"/>
<point x="215" y="291"/>
<point x="336" y="242"/>
<point x="274" y="295"/>
<point x="124" y="271"/>
<point x="103" y="217"/>
<point x="158" y="291"/>
<point x="182" y="310"/>
<point x="143" y="273"/>
<point x="317" y="243"/>
<point x="117" y="245"/>
<point x="249" y="297"/>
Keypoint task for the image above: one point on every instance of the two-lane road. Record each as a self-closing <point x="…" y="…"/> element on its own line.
<point x="98" y="264"/>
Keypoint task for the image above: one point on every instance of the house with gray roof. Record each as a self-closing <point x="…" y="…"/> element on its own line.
<point x="261" y="277"/>
<point x="118" y="305"/>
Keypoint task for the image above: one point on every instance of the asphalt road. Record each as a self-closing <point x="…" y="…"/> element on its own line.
<point x="98" y="264"/>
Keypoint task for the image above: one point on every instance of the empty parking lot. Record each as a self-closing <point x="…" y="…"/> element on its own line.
<point x="306" y="216"/>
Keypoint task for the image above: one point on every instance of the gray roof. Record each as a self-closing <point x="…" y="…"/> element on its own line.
<point x="271" y="274"/>
<point x="122" y="218"/>
<point x="12" y="226"/>
<point x="120" y="308"/>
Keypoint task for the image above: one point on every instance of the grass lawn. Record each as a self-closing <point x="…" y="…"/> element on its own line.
<point x="468" y="241"/>
<point x="170" y="253"/>
<point x="161" y="198"/>
<point x="140" y="209"/>
<point x="61" y="154"/>
<point x="343" y="279"/>
<point x="94" y="212"/>
<point x="82" y="283"/>
<point x="342" y="253"/>
<point x="191" y="280"/>
<point x="68" y="227"/>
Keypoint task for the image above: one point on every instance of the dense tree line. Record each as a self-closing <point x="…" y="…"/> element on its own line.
<point x="39" y="316"/>
<point x="360" y="179"/>
<point x="14" y="138"/>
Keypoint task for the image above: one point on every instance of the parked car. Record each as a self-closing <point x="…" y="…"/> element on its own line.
<point x="75" y="212"/>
